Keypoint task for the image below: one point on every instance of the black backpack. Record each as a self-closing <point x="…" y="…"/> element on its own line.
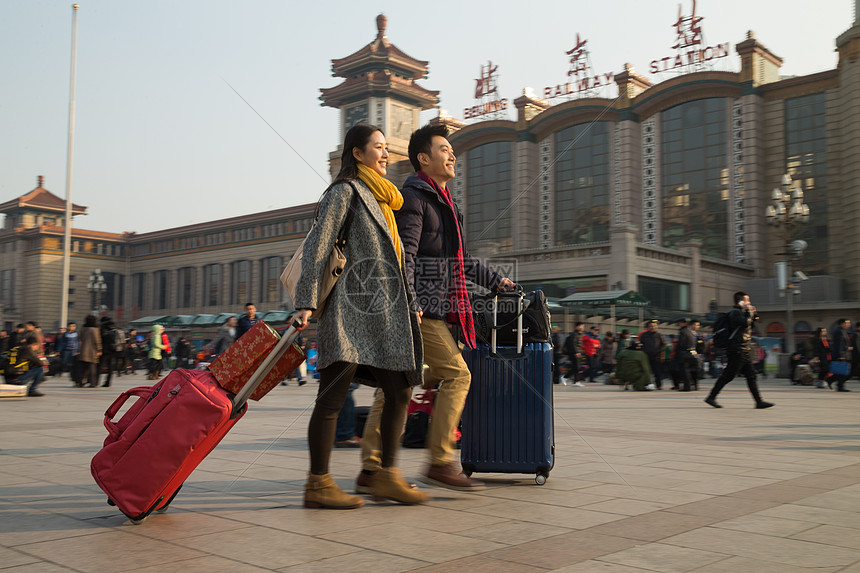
<point x="723" y="334"/>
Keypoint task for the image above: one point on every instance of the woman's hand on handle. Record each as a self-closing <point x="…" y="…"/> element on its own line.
<point x="302" y="316"/>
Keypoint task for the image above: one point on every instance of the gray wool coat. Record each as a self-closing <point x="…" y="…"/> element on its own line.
<point x="369" y="318"/>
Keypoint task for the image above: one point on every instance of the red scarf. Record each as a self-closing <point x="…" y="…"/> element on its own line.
<point x="460" y="309"/>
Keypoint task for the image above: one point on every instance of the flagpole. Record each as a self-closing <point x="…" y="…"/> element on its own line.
<point x="67" y="243"/>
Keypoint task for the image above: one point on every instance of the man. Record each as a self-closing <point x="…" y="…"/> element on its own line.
<point x="573" y="349"/>
<point x="437" y="264"/>
<point x="557" y="354"/>
<point x="685" y="357"/>
<point x="247" y="320"/>
<point x="69" y="346"/>
<point x="842" y="350"/>
<point x="742" y="317"/>
<point x="25" y="366"/>
<point x="653" y="345"/>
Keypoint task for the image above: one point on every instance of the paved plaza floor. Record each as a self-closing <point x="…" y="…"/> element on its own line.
<point x="654" y="481"/>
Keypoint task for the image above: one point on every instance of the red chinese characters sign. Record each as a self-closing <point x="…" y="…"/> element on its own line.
<point x="689" y="45"/>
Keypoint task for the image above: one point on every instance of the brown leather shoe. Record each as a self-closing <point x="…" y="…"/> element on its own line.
<point x="353" y="442"/>
<point x="322" y="492"/>
<point x="388" y="485"/>
<point x="449" y="476"/>
<point x="364" y="484"/>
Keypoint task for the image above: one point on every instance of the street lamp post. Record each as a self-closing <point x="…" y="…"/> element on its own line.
<point x="788" y="212"/>
<point x="97" y="287"/>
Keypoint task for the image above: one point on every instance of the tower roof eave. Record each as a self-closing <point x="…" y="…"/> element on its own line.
<point x="41" y="199"/>
<point x="383" y="54"/>
<point x="375" y="84"/>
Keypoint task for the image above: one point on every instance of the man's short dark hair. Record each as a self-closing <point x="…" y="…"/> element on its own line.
<point x="739" y="296"/>
<point x="577" y="324"/>
<point x="32" y="323"/>
<point x="841" y="321"/>
<point x="422" y="140"/>
<point x="72" y="323"/>
<point x="247" y="304"/>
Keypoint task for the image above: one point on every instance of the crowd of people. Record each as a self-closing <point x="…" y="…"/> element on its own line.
<point x="645" y="360"/>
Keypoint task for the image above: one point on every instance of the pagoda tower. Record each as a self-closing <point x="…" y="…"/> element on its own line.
<point x="380" y="88"/>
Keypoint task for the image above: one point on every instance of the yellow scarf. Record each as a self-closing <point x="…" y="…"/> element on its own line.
<point x="388" y="197"/>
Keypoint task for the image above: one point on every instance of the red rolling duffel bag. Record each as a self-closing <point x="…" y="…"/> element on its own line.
<point x="167" y="432"/>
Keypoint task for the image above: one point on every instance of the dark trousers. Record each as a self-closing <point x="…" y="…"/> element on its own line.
<point x="573" y="370"/>
<point x="739" y="362"/>
<point x="88" y="370"/>
<point x="656" y="369"/>
<point x="556" y="368"/>
<point x="687" y="369"/>
<point x="334" y="386"/>
<point x="346" y="418"/>
<point x="106" y="362"/>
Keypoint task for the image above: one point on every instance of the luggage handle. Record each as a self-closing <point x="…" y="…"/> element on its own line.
<point x="262" y="371"/>
<point x="110" y="425"/>
<point x="493" y="346"/>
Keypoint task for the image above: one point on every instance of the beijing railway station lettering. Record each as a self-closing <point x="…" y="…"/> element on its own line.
<point x="487" y="94"/>
<point x="688" y="46"/>
<point x="690" y="58"/>
<point x="581" y="85"/>
<point x="583" y="81"/>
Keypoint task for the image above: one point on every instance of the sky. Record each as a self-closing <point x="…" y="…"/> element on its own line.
<point x="161" y="140"/>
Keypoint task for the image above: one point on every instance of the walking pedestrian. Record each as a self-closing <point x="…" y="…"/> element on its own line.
<point x="653" y="344"/>
<point x="842" y="351"/>
<point x="373" y="337"/>
<point x="742" y="317"/>
<point x="91" y="351"/>
<point x="437" y="264"/>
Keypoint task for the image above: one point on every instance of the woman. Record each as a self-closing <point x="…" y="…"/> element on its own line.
<point x="607" y="352"/>
<point x="91" y="350"/>
<point x="156" y="345"/>
<point x="821" y="350"/>
<point x="367" y="329"/>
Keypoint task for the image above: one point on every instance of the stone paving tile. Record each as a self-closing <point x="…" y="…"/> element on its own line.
<point x="665" y="495"/>
<point x="778" y="492"/>
<point x="766" y="548"/>
<point x="40" y="567"/>
<point x="264" y="547"/>
<point x="514" y="532"/>
<point x="818" y="515"/>
<point x="653" y="526"/>
<point x="10" y="557"/>
<point x="359" y="562"/>
<point x="758" y="523"/>
<point x="747" y="565"/>
<point x="573" y="518"/>
<point x="723" y="507"/>
<point x="562" y="550"/>
<point x="207" y="564"/>
<point x="109" y="551"/>
<point x="831" y="535"/>
<point x="417" y="543"/>
<point x="480" y="564"/>
<point x="594" y="566"/>
<point x="664" y="558"/>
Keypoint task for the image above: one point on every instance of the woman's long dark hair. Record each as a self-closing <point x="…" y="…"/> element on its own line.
<point x="91" y="320"/>
<point x="357" y="136"/>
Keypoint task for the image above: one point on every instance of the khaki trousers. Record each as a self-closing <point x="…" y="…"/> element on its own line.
<point x="447" y="368"/>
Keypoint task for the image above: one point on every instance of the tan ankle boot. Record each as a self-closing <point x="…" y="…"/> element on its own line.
<point x="387" y="484"/>
<point x="322" y="492"/>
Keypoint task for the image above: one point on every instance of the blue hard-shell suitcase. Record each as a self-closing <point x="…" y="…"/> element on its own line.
<point x="508" y="417"/>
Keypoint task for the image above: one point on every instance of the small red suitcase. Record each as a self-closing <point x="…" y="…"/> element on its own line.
<point x="162" y="438"/>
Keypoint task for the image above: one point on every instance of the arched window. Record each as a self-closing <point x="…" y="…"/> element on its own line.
<point x="271" y="290"/>
<point x="241" y="282"/>
<point x="776" y="329"/>
<point x="212" y="285"/>
<point x="185" y="285"/>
